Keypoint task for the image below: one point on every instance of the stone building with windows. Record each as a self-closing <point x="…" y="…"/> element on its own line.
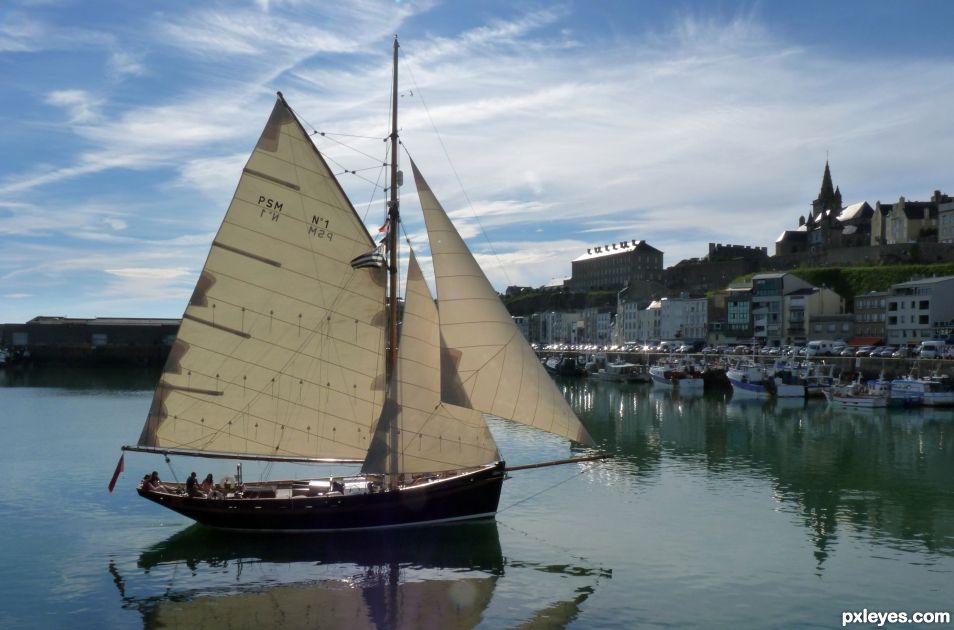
<point x="909" y="221"/>
<point x="636" y="264"/>
<point x="945" y="222"/>
<point x="869" y="314"/>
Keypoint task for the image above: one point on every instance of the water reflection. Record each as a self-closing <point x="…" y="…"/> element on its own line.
<point x="91" y="377"/>
<point x="471" y="546"/>
<point x="434" y="577"/>
<point x="884" y="472"/>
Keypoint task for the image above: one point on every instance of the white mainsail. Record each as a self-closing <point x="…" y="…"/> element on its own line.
<point x="432" y="436"/>
<point x="486" y="364"/>
<point x="281" y="349"/>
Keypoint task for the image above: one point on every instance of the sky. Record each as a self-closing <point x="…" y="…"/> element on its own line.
<point x="545" y="128"/>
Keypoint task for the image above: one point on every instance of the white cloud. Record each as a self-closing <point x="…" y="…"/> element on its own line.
<point x="79" y="104"/>
<point x="123" y="63"/>
<point x="116" y="224"/>
<point x="149" y="273"/>
<point x="712" y="130"/>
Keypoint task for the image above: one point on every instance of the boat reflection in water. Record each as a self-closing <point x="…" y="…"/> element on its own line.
<point x="435" y="577"/>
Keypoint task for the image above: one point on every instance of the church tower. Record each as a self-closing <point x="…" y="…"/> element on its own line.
<point x="829" y="198"/>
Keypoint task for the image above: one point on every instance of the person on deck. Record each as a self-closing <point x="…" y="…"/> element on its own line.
<point x="152" y="483"/>
<point x="192" y="486"/>
<point x="208" y="485"/>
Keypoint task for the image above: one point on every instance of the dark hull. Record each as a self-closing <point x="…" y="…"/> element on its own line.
<point x="467" y="496"/>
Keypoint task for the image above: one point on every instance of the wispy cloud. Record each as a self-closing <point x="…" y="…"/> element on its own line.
<point x="706" y="127"/>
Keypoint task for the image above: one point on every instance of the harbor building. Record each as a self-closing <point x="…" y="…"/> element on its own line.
<point x="768" y="297"/>
<point x="919" y="310"/>
<point x="100" y="339"/>
<point x="683" y="318"/>
<point x="870" y="309"/>
<point x="616" y="265"/>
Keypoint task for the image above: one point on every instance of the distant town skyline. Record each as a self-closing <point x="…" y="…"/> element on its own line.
<point x="567" y="125"/>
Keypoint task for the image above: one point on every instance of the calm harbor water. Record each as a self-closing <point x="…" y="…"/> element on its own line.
<point x="714" y="513"/>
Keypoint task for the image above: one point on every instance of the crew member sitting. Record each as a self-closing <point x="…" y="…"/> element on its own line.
<point x="192" y="486"/>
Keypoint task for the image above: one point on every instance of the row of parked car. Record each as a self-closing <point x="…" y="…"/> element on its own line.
<point x="837" y="349"/>
<point x="813" y="349"/>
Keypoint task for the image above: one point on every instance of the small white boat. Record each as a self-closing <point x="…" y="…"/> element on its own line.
<point x="857" y="395"/>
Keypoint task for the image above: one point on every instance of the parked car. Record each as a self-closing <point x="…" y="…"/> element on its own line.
<point x="741" y="350"/>
<point x="883" y="351"/>
<point x="902" y="353"/>
<point x="864" y="351"/>
<point x="849" y="351"/>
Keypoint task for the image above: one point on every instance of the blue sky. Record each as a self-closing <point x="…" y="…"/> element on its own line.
<point x="561" y="125"/>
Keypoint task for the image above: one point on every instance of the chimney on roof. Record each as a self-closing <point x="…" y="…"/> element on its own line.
<point x="588" y="250"/>
<point x="634" y="243"/>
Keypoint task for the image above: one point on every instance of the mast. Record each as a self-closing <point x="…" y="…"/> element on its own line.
<point x="394" y="218"/>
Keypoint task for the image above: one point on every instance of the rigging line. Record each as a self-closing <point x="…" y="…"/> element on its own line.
<point x="171" y="469"/>
<point x="344" y="135"/>
<point x="547" y="489"/>
<point x="460" y="183"/>
<point x="323" y="134"/>
<point x="357" y="170"/>
<point x="381" y="172"/>
<point x="601" y="571"/>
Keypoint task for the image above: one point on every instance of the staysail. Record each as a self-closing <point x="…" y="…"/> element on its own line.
<point x="432" y="436"/>
<point x="281" y="348"/>
<point x="486" y="364"/>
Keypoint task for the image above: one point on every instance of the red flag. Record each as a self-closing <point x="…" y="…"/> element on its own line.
<point x="120" y="467"/>
<point x="384" y="228"/>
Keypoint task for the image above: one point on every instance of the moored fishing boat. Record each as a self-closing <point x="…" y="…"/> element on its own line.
<point x="857" y="395"/>
<point x="816" y="377"/>
<point x="928" y="391"/>
<point x="623" y="372"/>
<point x="674" y="374"/>
<point x="289" y="351"/>
<point x="755" y="380"/>
<point x="564" y="365"/>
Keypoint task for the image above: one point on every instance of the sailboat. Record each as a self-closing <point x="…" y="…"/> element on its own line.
<point x="289" y="351"/>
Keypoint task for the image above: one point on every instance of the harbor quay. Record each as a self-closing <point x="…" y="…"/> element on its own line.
<point x="714" y="365"/>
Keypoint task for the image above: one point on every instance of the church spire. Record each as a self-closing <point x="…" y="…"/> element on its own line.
<point x="828" y="199"/>
<point x="827" y="189"/>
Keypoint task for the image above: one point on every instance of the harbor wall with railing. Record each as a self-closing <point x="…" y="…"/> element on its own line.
<point x="843" y="367"/>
